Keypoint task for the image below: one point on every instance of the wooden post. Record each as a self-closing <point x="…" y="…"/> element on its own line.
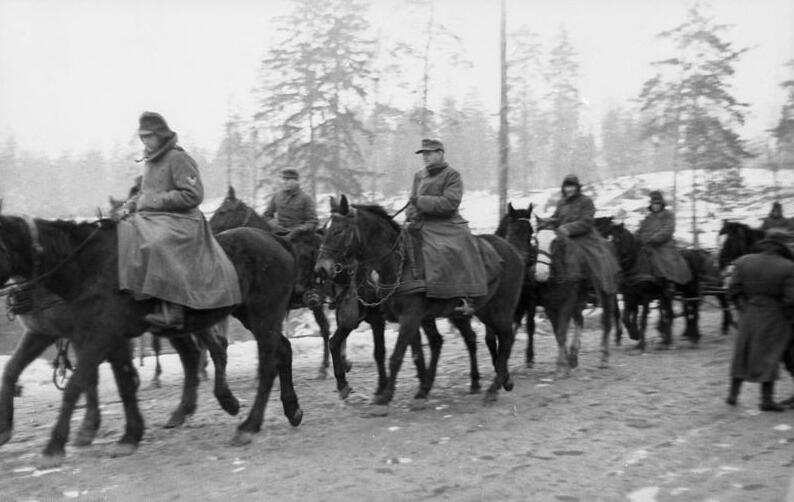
<point x="504" y="145"/>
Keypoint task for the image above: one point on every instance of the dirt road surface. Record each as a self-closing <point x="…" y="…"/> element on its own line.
<point x="651" y="427"/>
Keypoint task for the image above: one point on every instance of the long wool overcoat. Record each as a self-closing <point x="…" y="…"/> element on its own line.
<point x="453" y="263"/>
<point x="584" y="246"/>
<point x="166" y="248"/>
<point x="764" y="284"/>
<point x="656" y="233"/>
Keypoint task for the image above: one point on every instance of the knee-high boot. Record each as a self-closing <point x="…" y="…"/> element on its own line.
<point x="767" y="397"/>
<point x="733" y="394"/>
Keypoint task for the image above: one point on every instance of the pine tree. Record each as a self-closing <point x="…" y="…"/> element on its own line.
<point x="312" y="81"/>
<point x="562" y="74"/>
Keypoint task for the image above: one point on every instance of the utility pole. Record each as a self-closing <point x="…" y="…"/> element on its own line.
<point x="504" y="145"/>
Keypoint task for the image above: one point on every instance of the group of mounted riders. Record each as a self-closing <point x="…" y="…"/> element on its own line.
<point x="166" y="250"/>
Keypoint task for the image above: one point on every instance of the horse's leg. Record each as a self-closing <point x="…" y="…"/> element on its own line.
<point x="189" y="354"/>
<point x="499" y="324"/>
<point x="214" y="338"/>
<point x="378" y="326"/>
<point x="158" y="370"/>
<point x="436" y="341"/>
<point x="29" y="348"/>
<point x="529" y="312"/>
<point x="666" y="309"/>
<point x="335" y="346"/>
<point x="289" y="398"/>
<point x="89" y="356"/>
<point x="409" y="329"/>
<point x="418" y="356"/>
<point x="325" y="331"/>
<point x="609" y="302"/>
<point x="617" y="320"/>
<point x="92" y="419"/>
<point x="127" y="381"/>
<point x="470" y="339"/>
<point x="575" y="342"/>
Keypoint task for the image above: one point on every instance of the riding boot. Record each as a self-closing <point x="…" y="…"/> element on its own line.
<point x="733" y="394"/>
<point x="767" y="401"/>
<point x="167" y="316"/>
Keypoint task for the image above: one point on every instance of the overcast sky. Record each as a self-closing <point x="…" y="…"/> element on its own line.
<point x="77" y="73"/>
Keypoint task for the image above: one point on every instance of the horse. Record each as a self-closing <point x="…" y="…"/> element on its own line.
<point x="368" y="234"/>
<point x="738" y="239"/>
<point x="562" y="300"/>
<point x="79" y="263"/>
<point x="234" y="213"/>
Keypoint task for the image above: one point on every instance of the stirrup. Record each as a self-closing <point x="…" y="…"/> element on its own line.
<point x="465" y="308"/>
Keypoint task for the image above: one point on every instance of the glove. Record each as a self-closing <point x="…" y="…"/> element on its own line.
<point x="562" y="232"/>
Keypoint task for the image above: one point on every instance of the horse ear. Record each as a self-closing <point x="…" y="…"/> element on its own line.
<point x="530" y="208"/>
<point x="231" y="194"/>
<point x="510" y="211"/>
<point x="344" y="207"/>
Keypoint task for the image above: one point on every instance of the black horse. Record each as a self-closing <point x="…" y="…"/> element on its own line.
<point x="563" y="301"/>
<point x="78" y="262"/>
<point x="368" y="234"/>
<point x="738" y="239"/>
<point x="234" y="213"/>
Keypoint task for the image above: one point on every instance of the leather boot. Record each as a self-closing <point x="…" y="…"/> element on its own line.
<point x="733" y="394"/>
<point x="167" y="316"/>
<point x="767" y="401"/>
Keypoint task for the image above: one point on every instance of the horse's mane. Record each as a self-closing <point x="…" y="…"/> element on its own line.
<point x="378" y="211"/>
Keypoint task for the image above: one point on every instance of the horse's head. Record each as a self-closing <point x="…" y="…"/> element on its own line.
<point x="234" y="213"/>
<point x="604" y="226"/>
<point x="516" y="228"/>
<point x="737" y="240"/>
<point x="341" y="240"/>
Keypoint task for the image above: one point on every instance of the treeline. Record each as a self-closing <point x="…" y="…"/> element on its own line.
<point x="346" y="103"/>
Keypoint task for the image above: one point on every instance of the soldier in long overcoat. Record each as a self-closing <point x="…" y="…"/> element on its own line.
<point x="659" y="255"/>
<point x="453" y="264"/>
<point x="586" y="253"/>
<point x="763" y="284"/>
<point x="166" y="248"/>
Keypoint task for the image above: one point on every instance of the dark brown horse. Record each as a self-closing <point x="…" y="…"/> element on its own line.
<point x="78" y="262"/>
<point x="563" y="300"/>
<point x="368" y="234"/>
<point x="738" y="240"/>
<point x="234" y="213"/>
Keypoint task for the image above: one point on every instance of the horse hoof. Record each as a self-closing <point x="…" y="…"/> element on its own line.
<point x="230" y="404"/>
<point x="509" y="384"/>
<point x="344" y="392"/>
<point x="322" y="374"/>
<point x="422" y="394"/>
<point x="489" y="398"/>
<point x="381" y="400"/>
<point x="50" y="461"/>
<point x="176" y="420"/>
<point x="475" y="388"/>
<point x="123" y="450"/>
<point x="573" y="358"/>
<point x="242" y="438"/>
<point x="84" y="438"/>
<point x="530" y="364"/>
<point x="5" y="436"/>
<point x="296" y="418"/>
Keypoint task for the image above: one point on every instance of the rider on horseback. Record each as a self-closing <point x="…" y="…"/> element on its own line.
<point x="586" y="253"/>
<point x="659" y="257"/>
<point x="290" y="209"/>
<point x="775" y="218"/>
<point x="166" y="248"/>
<point x="453" y="265"/>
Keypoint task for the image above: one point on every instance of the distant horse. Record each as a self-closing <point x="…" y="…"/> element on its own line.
<point x="369" y="234"/>
<point x="563" y="301"/>
<point x="79" y="263"/>
<point x="234" y="213"/>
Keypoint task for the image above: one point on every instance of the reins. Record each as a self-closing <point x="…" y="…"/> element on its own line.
<point x="20" y="297"/>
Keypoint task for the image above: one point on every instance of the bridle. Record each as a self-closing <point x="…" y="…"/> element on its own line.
<point x="350" y="264"/>
<point x="21" y="296"/>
